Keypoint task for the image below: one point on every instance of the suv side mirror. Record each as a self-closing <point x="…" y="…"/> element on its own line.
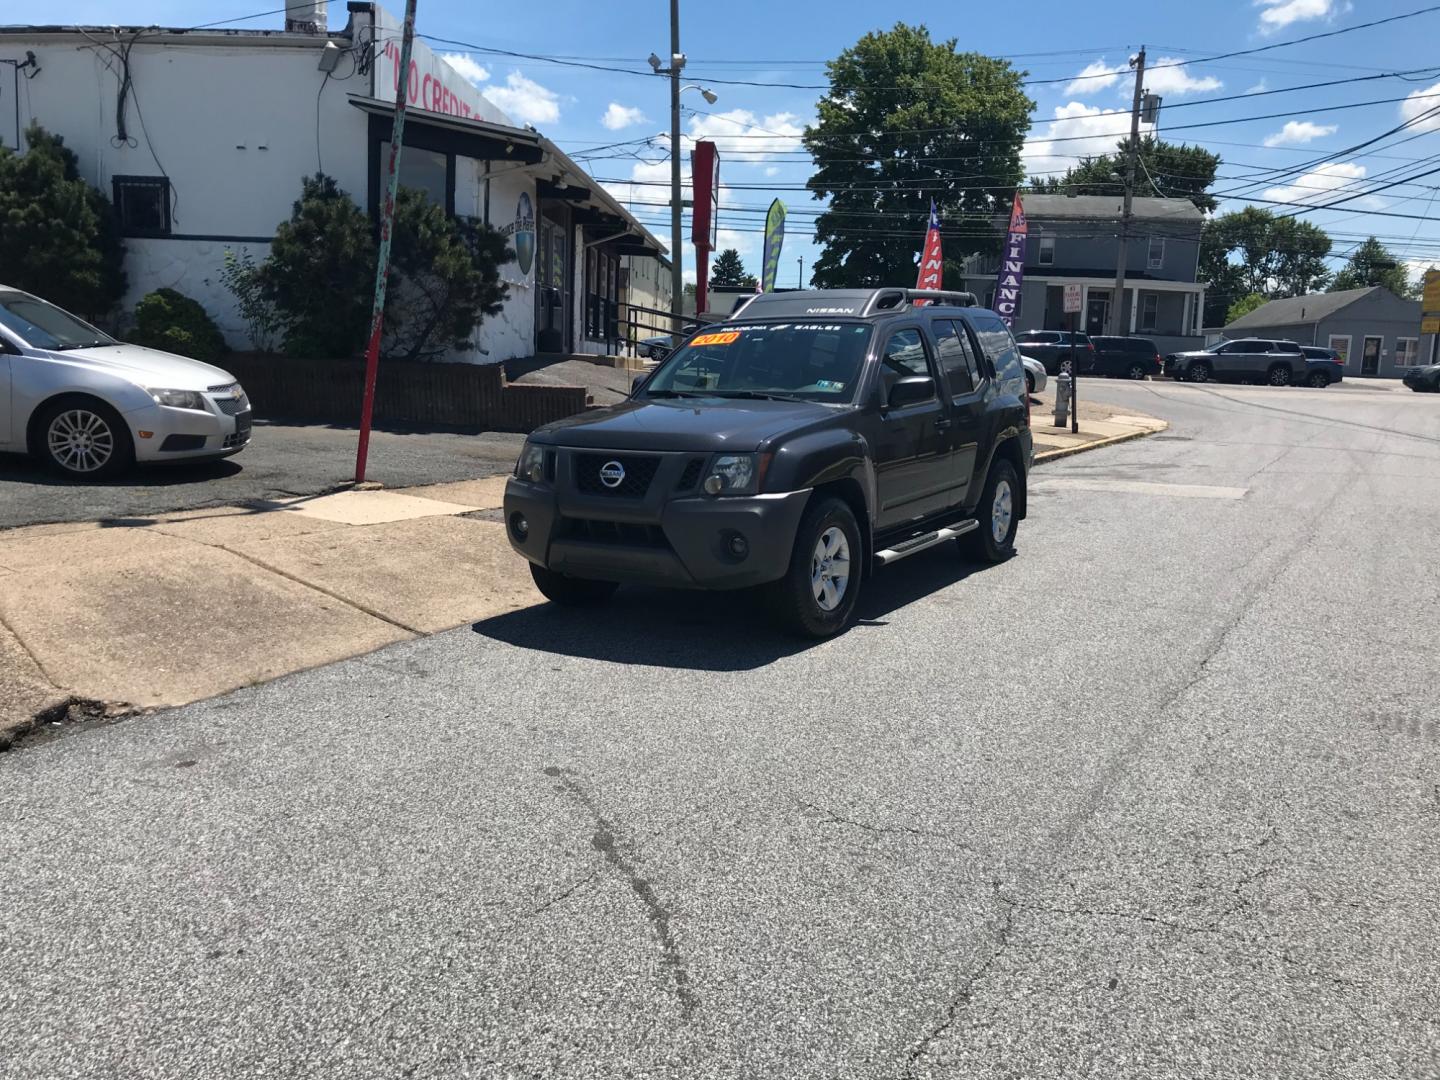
<point x="911" y="389"/>
<point x="640" y="377"/>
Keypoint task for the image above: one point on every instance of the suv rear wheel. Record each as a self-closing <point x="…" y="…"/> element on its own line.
<point x="994" y="541"/>
<point x="1279" y="375"/>
<point x="1135" y="371"/>
<point x="571" y="591"/>
<point x="1319" y="379"/>
<point x="817" y="596"/>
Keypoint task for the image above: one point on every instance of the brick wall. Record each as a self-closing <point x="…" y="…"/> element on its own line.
<point x="452" y="395"/>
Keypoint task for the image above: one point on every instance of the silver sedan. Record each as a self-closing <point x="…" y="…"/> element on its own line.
<point x="1034" y="374"/>
<point x="90" y="406"/>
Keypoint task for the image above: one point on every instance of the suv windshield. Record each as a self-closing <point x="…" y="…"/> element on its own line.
<point x="815" y="361"/>
<point x="45" y="326"/>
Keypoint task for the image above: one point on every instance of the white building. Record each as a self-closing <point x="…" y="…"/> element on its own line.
<point x="202" y="136"/>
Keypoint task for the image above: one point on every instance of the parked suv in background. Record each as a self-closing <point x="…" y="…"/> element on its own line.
<point x="1279" y="363"/>
<point x="1323" y="366"/>
<point x="1053" y="348"/>
<point x="811" y="439"/>
<point x="1130" y="357"/>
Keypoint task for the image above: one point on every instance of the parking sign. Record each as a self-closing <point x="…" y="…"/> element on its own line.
<point x="1072" y="299"/>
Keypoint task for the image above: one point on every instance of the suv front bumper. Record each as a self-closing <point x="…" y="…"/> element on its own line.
<point x="683" y="541"/>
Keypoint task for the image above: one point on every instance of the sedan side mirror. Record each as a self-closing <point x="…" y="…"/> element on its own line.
<point x="911" y="389"/>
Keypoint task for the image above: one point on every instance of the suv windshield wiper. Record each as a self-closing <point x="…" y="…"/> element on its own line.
<point x="758" y="395"/>
<point x="77" y="345"/>
<point x="672" y="393"/>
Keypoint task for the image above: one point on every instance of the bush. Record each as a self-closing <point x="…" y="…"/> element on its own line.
<point x="320" y="276"/>
<point x="58" y="236"/>
<point x="172" y="322"/>
<point x="243" y="278"/>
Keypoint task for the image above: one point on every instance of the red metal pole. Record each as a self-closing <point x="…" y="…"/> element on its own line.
<point x="387" y="221"/>
<point x="702" y="278"/>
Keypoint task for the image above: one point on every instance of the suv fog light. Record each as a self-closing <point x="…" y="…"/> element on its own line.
<point x="737" y="546"/>
<point x="519" y="526"/>
<point x="713" y="484"/>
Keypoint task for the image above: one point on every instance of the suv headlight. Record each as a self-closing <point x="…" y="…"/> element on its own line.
<point x="736" y="474"/>
<point x="531" y="465"/>
<point x="179" y="399"/>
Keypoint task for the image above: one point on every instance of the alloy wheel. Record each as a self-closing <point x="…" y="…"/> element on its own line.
<point x="1002" y="510"/>
<point x="830" y="568"/>
<point x="81" y="441"/>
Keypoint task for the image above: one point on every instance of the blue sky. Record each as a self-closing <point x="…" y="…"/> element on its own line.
<point x="778" y="42"/>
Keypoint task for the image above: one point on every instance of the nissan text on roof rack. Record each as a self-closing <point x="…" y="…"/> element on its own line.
<point x="813" y="438"/>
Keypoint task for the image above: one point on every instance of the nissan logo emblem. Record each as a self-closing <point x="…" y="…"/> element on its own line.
<point x="612" y="474"/>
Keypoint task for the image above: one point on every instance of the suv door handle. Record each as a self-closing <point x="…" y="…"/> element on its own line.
<point x="942" y="423"/>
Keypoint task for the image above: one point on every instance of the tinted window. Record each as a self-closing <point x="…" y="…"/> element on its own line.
<point x="994" y="337"/>
<point x="905" y="354"/>
<point x="1039" y="337"/>
<point x="955" y="358"/>
<point x="818" y="361"/>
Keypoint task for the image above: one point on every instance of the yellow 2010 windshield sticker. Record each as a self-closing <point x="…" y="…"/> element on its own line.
<point x="728" y="337"/>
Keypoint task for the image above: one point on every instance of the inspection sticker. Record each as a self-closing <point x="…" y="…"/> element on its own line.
<point x="728" y="337"/>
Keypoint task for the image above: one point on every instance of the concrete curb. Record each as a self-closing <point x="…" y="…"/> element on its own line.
<point x="67" y="711"/>
<point x="1070" y="451"/>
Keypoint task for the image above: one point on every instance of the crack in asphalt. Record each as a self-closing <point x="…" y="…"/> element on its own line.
<point x="620" y="856"/>
<point x="832" y="817"/>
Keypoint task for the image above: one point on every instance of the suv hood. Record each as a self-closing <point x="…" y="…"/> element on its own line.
<point x="149" y="367"/>
<point x="699" y="424"/>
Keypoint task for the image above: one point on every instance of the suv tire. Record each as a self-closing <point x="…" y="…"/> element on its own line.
<point x="1198" y="372"/>
<point x="813" y="599"/>
<point x="994" y="540"/>
<point x="1319" y="380"/>
<point x="84" y="439"/>
<point x="1279" y="375"/>
<point x="571" y="591"/>
<point x="1136" y="371"/>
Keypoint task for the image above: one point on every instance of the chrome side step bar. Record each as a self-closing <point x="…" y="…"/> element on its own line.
<point x="925" y="541"/>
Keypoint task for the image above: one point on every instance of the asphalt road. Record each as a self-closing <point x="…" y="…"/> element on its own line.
<point x="281" y="460"/>
<point x="1159" y="797"/>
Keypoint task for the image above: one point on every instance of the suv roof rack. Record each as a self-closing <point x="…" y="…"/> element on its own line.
<point x="856" y="302"/>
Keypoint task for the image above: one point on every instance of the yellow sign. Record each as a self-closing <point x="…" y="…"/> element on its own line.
<point x="1430" y="326"/>
<point x="1431" y="299"/>
<point x="729" y="337"/>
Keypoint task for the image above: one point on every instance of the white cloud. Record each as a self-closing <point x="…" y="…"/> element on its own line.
<point x="1164" y="78"/>
<point x="465" y="64"/>
<point x="772" y="170"/>
<point x="1259" y="88"/>
<point x="1319" y="185"/>
<point x="742" y="136"/>
<point x="619" y="116"/>
<point x="1278" y="14"/>
<point x="1078" y="130"/>
<point x="526" y="100"/>
<point x="1419" y="104"/>
<point x="1093" y="78"/>
<point x="1300" y="131"/>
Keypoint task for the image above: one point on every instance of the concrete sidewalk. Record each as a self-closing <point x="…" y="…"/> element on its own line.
<point x="1100" y="425"/>
<point x="147" y="612"/>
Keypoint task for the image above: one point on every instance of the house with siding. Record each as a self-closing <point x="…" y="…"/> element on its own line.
<point x="1376" y="332"/>
<point x="1075" y="239"/>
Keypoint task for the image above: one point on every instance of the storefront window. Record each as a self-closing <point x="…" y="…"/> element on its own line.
<point x="424" y="170"/>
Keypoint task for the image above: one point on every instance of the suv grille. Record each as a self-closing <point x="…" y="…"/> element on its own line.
<point x="639" y="472"/>
<point x="613" y="532"/>
<point x="691" y="476"/>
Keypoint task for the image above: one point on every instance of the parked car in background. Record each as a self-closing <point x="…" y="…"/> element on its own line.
<point x="1034" y="374"/>
<point x="655" y="348"/>
<point x="90" y="406"/>
<point x="1127" y="357"/>
<point x="1324" y="366"/>
<point x="1277" y="362"/>
<point x="1424" y="379"/>
<point x="1053" y="348"/>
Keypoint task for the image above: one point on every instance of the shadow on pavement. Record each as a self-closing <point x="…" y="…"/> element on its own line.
<point x="709" y="631"/>
<point x="22" y="469"/>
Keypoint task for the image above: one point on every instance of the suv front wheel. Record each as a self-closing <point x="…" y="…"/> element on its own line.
<point x="817" y="596"/>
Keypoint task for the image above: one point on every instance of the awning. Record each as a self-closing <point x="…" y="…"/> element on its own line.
<point x="563" y="179"/>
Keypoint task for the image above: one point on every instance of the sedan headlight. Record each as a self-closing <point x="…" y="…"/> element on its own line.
<point x="179" y="399"/>
<point x="531" y="465"/>
<point x="736" y="474"/>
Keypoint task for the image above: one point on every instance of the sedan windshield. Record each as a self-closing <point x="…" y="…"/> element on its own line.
<point x="45" y="326"/>
<point x="813" y="361"/>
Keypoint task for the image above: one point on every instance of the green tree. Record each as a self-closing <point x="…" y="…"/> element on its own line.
<point x="1256" y="251"/>
<point x="59" y="238"/>
<point x="320" y="274"/>
<point x="1242" y="307"/>
<point x="908" y="119"/>
<point x="729" y="270"/>
<point x="1163" y="171"/>
<point x="1373" y="264"/>
<point x="173" y="322"/>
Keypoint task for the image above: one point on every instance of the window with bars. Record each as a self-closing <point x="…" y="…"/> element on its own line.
<point x="142" y="204"/>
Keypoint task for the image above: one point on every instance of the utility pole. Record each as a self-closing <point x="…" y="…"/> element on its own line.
<point x="1117" y="300"/>
<point x="800" y="281"/>
<point x="387" y="224"/>
<point x="677" y="239"/>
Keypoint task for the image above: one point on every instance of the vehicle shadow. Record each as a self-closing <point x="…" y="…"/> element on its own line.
<point x="19" y="468"/>
<point x="709" y="631"/>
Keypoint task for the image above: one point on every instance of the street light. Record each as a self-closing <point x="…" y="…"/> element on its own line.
<point x="709" y="95"/>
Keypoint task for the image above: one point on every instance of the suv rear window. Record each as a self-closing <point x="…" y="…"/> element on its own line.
<point x="1038" y="337"/>
<point x="814" y="359"/>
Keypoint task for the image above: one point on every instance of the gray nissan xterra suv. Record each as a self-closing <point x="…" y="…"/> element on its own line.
<point x="800" y="445"/>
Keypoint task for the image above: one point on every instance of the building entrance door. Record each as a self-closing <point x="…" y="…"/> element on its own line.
<point x="1097" y="314"/>
<point x="553" y="290"/>
<point x="1370" y="356"/>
